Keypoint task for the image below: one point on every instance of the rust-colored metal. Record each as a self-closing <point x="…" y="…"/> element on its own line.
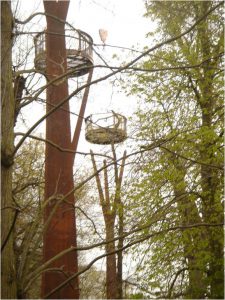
<point x="81" y="113"/>
<point x="60" y="233"/>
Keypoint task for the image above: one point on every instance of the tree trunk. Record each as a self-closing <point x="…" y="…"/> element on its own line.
<point x="120" y="255"/>
<point x="192" y="248"/>
<point x="109" y="214"/>
<point x="212" y="206"/>
<point x="111" y="272"/>
<point x="8" y="270"/>
<point x="120" y="212"/>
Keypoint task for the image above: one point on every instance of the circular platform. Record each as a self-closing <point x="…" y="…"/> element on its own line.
<point x="78" y="51"/>
<point x="99" y="133"/>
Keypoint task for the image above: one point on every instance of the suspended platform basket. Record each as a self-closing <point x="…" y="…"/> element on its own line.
<point x="105" y="129"/>
<point x="78" y="51"/>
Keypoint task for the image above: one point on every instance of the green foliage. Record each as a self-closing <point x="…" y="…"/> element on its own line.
<point x="180" y="181"/>
<point x="28" y="196"/>
<point x="137" y="296"/>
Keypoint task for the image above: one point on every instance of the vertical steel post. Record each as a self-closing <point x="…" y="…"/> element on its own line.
<point x="61" y="230"/>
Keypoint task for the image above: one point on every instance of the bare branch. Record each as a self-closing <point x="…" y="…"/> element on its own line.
<point x="60" y="148"/>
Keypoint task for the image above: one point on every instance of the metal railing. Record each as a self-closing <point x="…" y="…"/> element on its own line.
<point x="79" y="49"/>
<point x="110" y="127"/>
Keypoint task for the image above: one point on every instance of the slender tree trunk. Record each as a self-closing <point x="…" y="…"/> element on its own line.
<point x="111" y="208"/>
<point x="111" y="271"/>
<point x="120" y="212"/>
<point x="120" y="255"/>
<point x="8" y="270"/>
<point x="109" y="215"/>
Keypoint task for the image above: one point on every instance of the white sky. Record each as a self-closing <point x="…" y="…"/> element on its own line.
<point x="123" y="19"/>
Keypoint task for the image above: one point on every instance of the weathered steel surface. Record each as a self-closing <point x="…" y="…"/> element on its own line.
<point x="61" y="230"/>
<point x="81" y="113"/>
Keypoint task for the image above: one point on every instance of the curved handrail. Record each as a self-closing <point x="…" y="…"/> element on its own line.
<point x="118" y="121"/>
<point x="78" y="48"/>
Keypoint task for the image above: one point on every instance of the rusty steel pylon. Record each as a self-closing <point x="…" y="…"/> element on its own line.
<point x="59" y="214"/>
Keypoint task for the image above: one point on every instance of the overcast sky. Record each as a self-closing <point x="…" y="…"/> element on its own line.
<point x="126" y="26"/>
<point x="122" y="18"/>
